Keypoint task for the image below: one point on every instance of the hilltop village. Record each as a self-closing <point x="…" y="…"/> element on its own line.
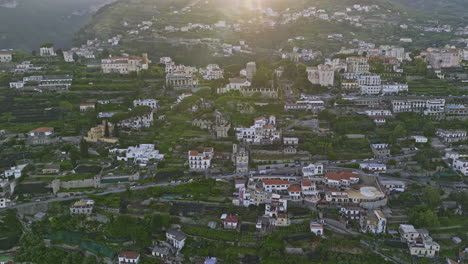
<point x="357" y="155"/>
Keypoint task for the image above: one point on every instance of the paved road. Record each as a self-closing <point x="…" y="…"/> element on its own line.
<point x="117" y="190"/>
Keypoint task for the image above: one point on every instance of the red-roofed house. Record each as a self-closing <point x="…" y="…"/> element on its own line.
<point x="275" y="185"/>
<point x="200" y="161"/>
<point x="295" y="192"/>
<point x="42" y="131"/>
<point x="230" y="222"/>
<point x="316" y="228"/>
<point x="342" y="178"/>
<point x="127" y="257"/>
<point x="239" y="184"/>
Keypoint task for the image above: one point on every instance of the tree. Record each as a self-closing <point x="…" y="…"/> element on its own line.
<point x="83" y="148"/>
<point x="422" y="216"/>
<point x="115" y="131"/>
<point x="262" y="77"/>
<point x="398" y="132"/>
<point x="106" y="129"/>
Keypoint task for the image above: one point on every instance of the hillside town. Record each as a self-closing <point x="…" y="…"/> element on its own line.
<point x="120" y="153"/>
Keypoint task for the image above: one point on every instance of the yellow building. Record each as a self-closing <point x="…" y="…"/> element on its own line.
<point x="97" y="133"/>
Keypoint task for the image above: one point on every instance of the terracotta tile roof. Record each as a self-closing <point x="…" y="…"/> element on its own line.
<point x="342" y="175"/>
<point x="294" y="188"/>
<point x="129" y="254"/>
<point x="231" y="219"/>
<point x="239" y="181"/>
<point x="43" y="130"/>
<point x="208" y="149"/>
<point x="307" y="183"/>
<point x="275" y="182"/>
<point x="193" y="153"/>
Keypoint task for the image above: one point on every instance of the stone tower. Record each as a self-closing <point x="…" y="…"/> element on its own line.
<point x="251" y="70"/>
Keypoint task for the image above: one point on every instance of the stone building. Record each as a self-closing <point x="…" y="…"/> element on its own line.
<point x="323" y="75"/>
<point x="240" y="157"/>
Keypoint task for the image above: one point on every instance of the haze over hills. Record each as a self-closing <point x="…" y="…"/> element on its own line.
<point x="25" y="24"/>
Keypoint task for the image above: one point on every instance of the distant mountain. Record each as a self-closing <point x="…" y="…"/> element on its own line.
<point x="443" y="7"/>
<point x="26" y="24"/>
<point x="8" y="3"/>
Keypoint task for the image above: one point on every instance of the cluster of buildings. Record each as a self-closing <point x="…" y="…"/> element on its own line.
<point x="350" y="14"/>
<point x="179" y="76"/>
<point x="125" y="64"/>
<point x="54" y="82"/>
<point x="419" y="241"/>
<point x="138" y="121"/>
<point x="305" y="103"/>
<point x="446" y="57"/>
<point x="141" y="154"/>
<point x="458" y="159"/>
<point x="263" y="131"/>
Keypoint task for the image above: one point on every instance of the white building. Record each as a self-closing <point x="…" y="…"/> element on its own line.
<point x="275" y="185"/>
<point x="373" y="167"/>
<point x="461" y="165"/>
<point x="181" y="79"/>
<point x="41" y="131"/>
<point x="212" y="72"/>
<point x="432" y="107"/>
<point x="230" y="222"/>
<point x="183" y="96"/>
<point x="312" y="169"/>
<point x="140" y="154"/>
<point x="450" y="136"/>
<point x="125" y="64"/>
<point x="176" y="238"/>
<point x="47" y="51"/>
<point x="15" y="171"/>
<point x="419" y="242"/>
<point x="235" y="84"/>
<point x="316" y="228"/>
<point x="4" y="202"/>
<point x="17" y="85"/>
<point x="378" y="112"/>
<point x="295" y="192"/>
<point x="68" y="56"/>
<point x="138" y="122"/>
<point x="200" y="161"/>
<point x="129" y="257"/>
<point x="85" y="107"/>
<point x="394" y="88"/>
<point x="393" y="51"/>
<point x="83" y="206"/>
<point x="373" y="222"/>
<point x="341" y="179"/>
<point x="311" y="105"/>
<point x="6" y="56"/>
<point x="393" y="186"/>
<point x="263" y="131"/>
<point x="153" y="103"/>
<point x="419" y="139"/>
<point x="370" y="83"/>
